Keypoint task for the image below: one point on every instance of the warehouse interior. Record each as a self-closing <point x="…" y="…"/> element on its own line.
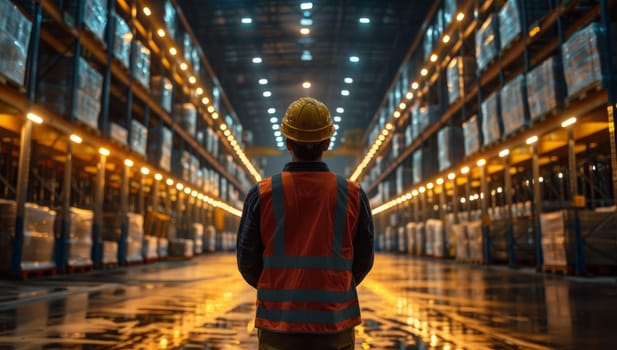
<point x="482" y="132"/>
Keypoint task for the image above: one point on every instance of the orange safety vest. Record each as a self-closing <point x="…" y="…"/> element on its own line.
<point x="308" y="222"/>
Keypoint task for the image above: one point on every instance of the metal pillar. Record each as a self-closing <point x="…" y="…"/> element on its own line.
<point x="110" y="38"/>
<point x="442" y="217"/>
<point x="124" y="210"/>
<point x="33" y="53"/>
<point x="155" y="194"/>
<point x="97" y="220"/>
<point x="578" y="238"/>
<point x="141" y="200"/>
<point x="484" y="193"/>
<point x="22" y="191"/>
<point x="507" y="190"/>
<point x="468" y="193"/>
<point x="607" y="7"/>
<point x="537" y="204"/>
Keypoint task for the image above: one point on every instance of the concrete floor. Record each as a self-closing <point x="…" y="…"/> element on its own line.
<point x="406" y="304"/>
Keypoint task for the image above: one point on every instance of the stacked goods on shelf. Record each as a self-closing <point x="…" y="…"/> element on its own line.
<point x="210" y="239"/>
<point x="422" y="117"/>
<point x="162" y="90"/>
<point x="139" y="137"/>
<point x="513" y="105"/>
<point x="461" y="73"/>
<point x="170" y="19"/>
<point x="157" y="224"/>
<point x="15" y="31"/>
<point x="556" y="250"/>
<point x="212" y="145"/>
<point x="187" y="46"/>
<point x="186" y="115"/>
<point x="410" y="231"/>
<point x="196" y="233"/>
<point x="582" y="59"/>
<point x="599" y="227"/>
<point x="389" y="239"/>
<point x="38" y="236"/>
<point x="122" y="41"/>
<point x="181" y="247"/>
<point x="409" y="137"/>
<point x="79" y="242"/>
<point x="400" y="173"/>
<point x="402" y="240"/>
<point x="194" y="169"/>
<point x="429" y="38"/>
<point x="523" y="230"/>
<point x="435" y="233"/>
<point x="397" y="144"/>
<point x="449" y="236"/>
<point x="471" y="133"/>
<point x="94" y="15"/>
<point x="142" y="64"/>
<point x="498" y="233"/>
<point x="419" y="239"/>
<point x="487" y="42"/>
<point x="462" y="242"/>
<point x="196" y="61"/>
<point x="544" y="90"/>
<point x="134" y="237"/>
<point x="182" y="164"/>
<point x="449" y="11"/>
<point x="54" y="90"/>
<point x="450" y="152"/>
<point x="424" y="160"/>
<point x="511" y="18"/>
<point x="163" y="247"/>
<point x="150" y="248"/>
<point x="118" y="133"/>
<point x="110" y="252"/>
<point x="491" y="128"/>
<point x="160" y="147"/>
<point x="475" y="240"/>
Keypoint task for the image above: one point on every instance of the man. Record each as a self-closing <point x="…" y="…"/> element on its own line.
<point x="305" y="242"/>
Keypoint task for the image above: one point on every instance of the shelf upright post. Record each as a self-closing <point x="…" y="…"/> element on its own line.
<point x="455" y="201"/>
<point x="155" y="194"/>
<point x="484" y="193"/>
<point x="537" y="204"/>
<point x="167" y="204"/>
<point x="97" y="220"/>
<point x="607" y="7"/>
<point x="124" y="210"/>
<point x="179" y="217"/>
<point x="442" y="217"/>
<point x="110" y="38"/>
<point x="578" y="238"/>
<point x="507" y="190"/>
<point x="141" y="196"/>
<point x="25" y="146"/>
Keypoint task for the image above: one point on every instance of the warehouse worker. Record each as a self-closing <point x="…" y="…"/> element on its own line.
<point x="305" y="242"/>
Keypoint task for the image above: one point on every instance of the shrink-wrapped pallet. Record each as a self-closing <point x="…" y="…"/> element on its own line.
<point x="163" y="247"/>
<point x="159" y="147"/>
<point x="461" y="74"/>
<point x="429" y="40"/>
<point x="402" y="239"/>
<point x="422" y="117"/>
<point x="553" y="238"/>
<point x="135" y="237"/>
<point x="150" y="248"/>
<point x="582" y="58"/>
<point x="142" y="64"/>
<point x="513" y="105"/>
<point x="186" y="114"/>
<point x="491" y="128"/>
<point x="476" y="240"/>
<point x="544" y="90"/>
<point x="599" y="227"/>
<point x="122" y="41"/>
<point x="54" y="91"/>
<point x="419" y="239"/>
<point x="110" y="252"/>
<point x="450" y="146"/>
<point x="139" y="137"/>
<point x="434" y="230"/>
<point x="471" y="134"/>
<point x="15" y="31"/>
<point x="511" y="18"/>
<point x="94" y="15"/>
<point x="196" y="233"/>
<point x="79" y="242"/>
<point x="38" y="236"/>
<point x="487" y="42"/>
<point x="210" y="239"/>
<point x="170" y="18"/>
<point x="162" y="90"/>
<point x="410" y="232"/>
<point x="118" y="133"/>
<point x="181" y="247"/>
<point x="462" y="242"/>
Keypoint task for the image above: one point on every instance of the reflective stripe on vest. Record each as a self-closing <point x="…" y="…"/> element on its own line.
<point x="329" y="309"/>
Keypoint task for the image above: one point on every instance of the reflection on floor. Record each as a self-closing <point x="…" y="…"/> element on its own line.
<point x="407" y="303"/>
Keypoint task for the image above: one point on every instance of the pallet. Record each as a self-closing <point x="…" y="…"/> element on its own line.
<point x="558" y="269"/>
<point x="585" y="92"/>
<point x="133" y="263"/>
<point x="79" y="269"/>
<point x="26" y="274"/>
<point x="109" y="266"/>
<point x="4" y="80"/>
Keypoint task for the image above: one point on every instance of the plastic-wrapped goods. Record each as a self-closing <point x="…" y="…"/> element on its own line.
<point x="186" y="114"/>
<point x="196" y="61"/>
<point x="150" y="248"/>
<point x="402" y="239"/>
<point x="183" y="165"/>
<point x="471" y="133"/>
<point x="449" y="11"/>
<point x="135" y="237"/>
<point x="544" y="91"/>
<point x="94" y="16"/>
<point x="194" y="169"/>
<point x="400" y="172"/>
<point x="80" y="238"/>
<point x="187" y="46"/>
<point x="422" y="117"/>
<point x="170" y="18"/>
<point x="160" y="147"/>
<point x="417" y="166"/>
<point x="419" y="239"/>
<point x="409" y="137"/>
<point x="476" y="240"/>
<point x="449" y="146"/>
<point x="510" y="18"/>
<point x="461" y="74"/>
<point x="429" y="241"/>
<point x="210" y="239"/>
<point x="38" y="236"/>
<point x="429" y="38"/>
<point x="122" y="41"/>
<point x="15" y="31"/>
<point x="410" y="231"/>
<point x="397" y="144"/>
<point x="434" y="229"/>
<point x="487" y="42"/>
<point x="582" y="58"/>
<point x="110" y="252"/>
<point x="513" y="105"/>
<point x="462" y="242"/>
<point x="163" y="247"/>
<point x="118" y="133"/>
<point x="54" y="91"/>
<point x="142" y="64"/>
<point x="197" y="235"/>
<point x="139" y="137"/>
<point x="181" y="247"/>
<point x="162" y="90"/>
<point x="491" y="128"/>
<point x="553" y="238"/>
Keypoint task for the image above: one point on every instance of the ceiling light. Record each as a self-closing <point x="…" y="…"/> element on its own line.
<point x="277" y="133"/>
<point x="439" y="181"/>
<point x="275" y="126"/>
<point x="274" y="120"/>
<point x="532" y="139"/>
<point x="345" y="92"/>
<point x="199" y="91"/>
<point x="397" y="114"/>
<point x="267" y="93"/>
<point x="409" y="96"/>
<point x="247" y="20"/>
<point x="568" y="122"/>
<point x="263" y="81"/>
<point x="402" y="105"/>
<point x="173" y="51"/>
<point x="227" y="133"/>
<point x="280" y="144"/>
<point x="145" y="170"/>
<point x="446" y="39"/>
<point x="389" y="126"/>
<point x="336" y="126"/>
<point x="451" y="176"/>
<point x="354" y="59"/>
<point x="169" y="182"/>
<point x="257" y="60"/>
<point x="434" y="57"/>
<point x="215" y="116"/>
<point x="279" y="138"/>
<point x="187" y="190"/>
<point x="75" y="138"/>
<point x="348" y="80"/>
<point x="306" y="56"/>
<point x="161" y="33"/>
<point x="306" y="6"/>
<point x="429" y="185"/>
<point x="306" y="22"/>
<point x="481" y="162"/>
<point x="337" y="119"/>
<point x="306" y="84"/>
<point x="415" y="85"/>
<point x="205" y="100"/>
<point x="210" y="109"/>
<point x="184" y="66"/>
<point x="129" y="163"/>
<point x="158" y="177"/>
<point x="147" y="11"/>
<point x="192" y="79"/>
<point x="104" y="151"/>
<point x="223" y="127"/>
<point x="424" y="72"/>
<point x="364" y="20"/>
<point x="460" y="16"/>
<point x="35" y="118"/>
<point x="504" y="153"/>
<point x="464" y="170"/>
<point x="271" y="110"/>
<point x="305" y="31"/>
<point x="340" y="110"/>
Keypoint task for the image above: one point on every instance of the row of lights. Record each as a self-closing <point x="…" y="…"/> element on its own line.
<point x="157" y="176"/>
<point x="388" y="128"/>
<point x="199" y="91"/>
<point x="464" y="171"/>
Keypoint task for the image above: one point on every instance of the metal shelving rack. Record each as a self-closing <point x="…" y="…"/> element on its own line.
<point x="64" y="162"/>
<point x="546" y="164"/>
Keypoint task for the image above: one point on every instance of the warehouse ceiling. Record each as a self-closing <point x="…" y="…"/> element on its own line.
<point x="338" y="31"/>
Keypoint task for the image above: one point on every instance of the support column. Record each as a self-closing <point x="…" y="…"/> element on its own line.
<point x="484" y="193"/>
<point x="537" y="204"/>
<point x="141" y="196"/>
<point x="23" y="173"/>
<point x="124" y="209"/>
<point x="576" y="204"/>
<point x="455" y="200"/>
<point x="97" y="220"/>
<point x="155" y="192"/>
<point x="508" y="196"/>
<point x="442" y="217"/>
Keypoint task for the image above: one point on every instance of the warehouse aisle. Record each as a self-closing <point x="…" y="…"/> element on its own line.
<point x="407" y="304"/>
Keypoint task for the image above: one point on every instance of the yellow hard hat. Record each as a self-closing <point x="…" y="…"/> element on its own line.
<point x="307" y="120"/>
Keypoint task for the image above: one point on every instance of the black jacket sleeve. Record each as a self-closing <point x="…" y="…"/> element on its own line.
<point x="363" y="242"/>
<point x="248" y="244"/>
